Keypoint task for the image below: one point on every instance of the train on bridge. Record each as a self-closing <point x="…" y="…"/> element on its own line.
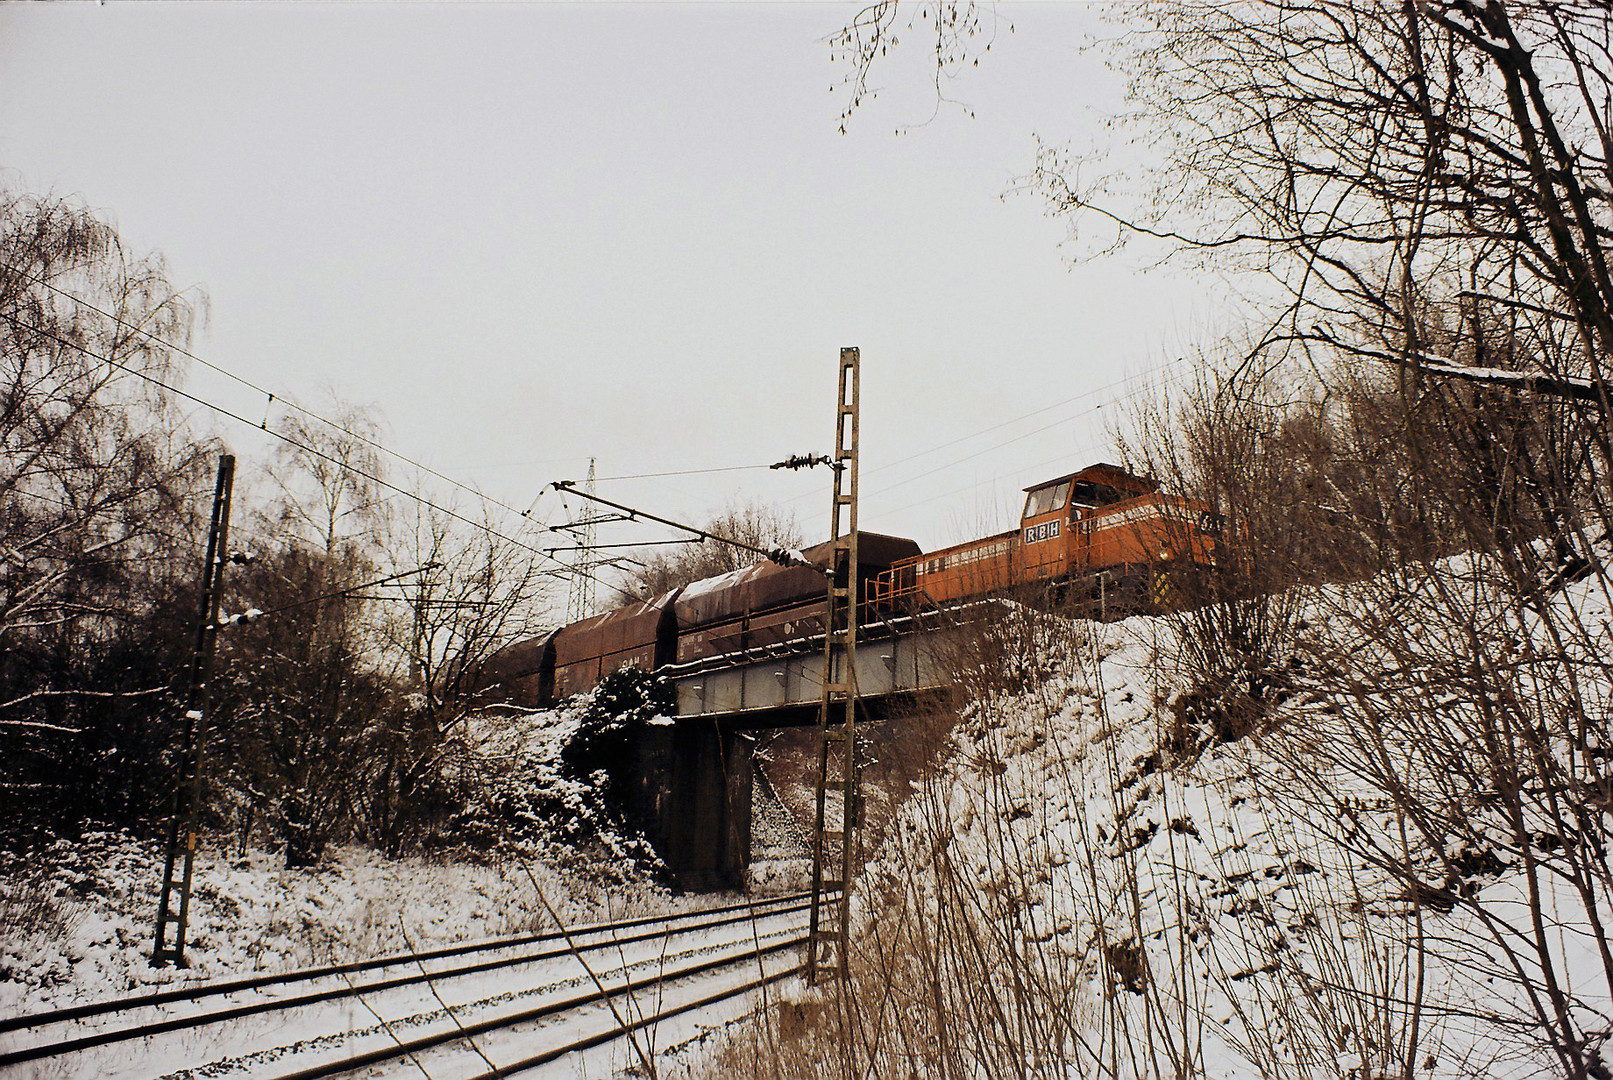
<point x="1101" y="534"/>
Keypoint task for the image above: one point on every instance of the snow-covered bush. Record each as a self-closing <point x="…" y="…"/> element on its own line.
<point x="560" y="779"/>
<point x="610" y="724"/>
<point x="33" y="905"/>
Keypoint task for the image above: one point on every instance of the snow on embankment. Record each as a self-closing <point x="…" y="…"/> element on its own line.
<point x="1114" y="877"/>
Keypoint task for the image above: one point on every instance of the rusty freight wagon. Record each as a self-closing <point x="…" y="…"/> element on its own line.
<point x="766" y="605"/>
<point x="640" y="635"/>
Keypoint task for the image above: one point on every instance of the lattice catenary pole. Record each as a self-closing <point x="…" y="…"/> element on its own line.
<point x="833" y="836"/>
<point x="582" y="582"/>
<point x="173" y="907"/>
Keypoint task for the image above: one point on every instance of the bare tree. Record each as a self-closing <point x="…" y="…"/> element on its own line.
<point x="1425" y="184"/>
<point x="955" y="34"/>
<point x="91" y="476"/>
<point x="1421" y="185"/>
<point x="306" y="684"/>
<point x="329" y="479"/>
<point x="462" y="594"/>
<point x="97" y="487"/>
<point x="1235" y="449"/>
<point x="466" y="593"/>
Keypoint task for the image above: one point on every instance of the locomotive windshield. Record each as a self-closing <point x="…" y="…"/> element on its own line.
<point x="1047" y="498"/>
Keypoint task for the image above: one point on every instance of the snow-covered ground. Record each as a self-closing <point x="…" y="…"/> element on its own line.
<point x="77" y="928"/>
<point x="250" y="914"/>
<point x="1083" y="892"/>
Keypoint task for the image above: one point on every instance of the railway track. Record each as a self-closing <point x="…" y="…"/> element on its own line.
<point x="480" y="1009"/>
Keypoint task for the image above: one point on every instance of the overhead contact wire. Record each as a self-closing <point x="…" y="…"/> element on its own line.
<point x="633" y="513"/>
<point x="680" y="472"/>
<point x="1037" y="412"/>
<point x="270" y="395"/>
<point x="998" y="446"/>
<point x="346" y="466"/>
<point x="986" y="450"/>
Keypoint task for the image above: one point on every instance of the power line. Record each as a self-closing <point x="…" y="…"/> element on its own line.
<point x="906" y="459"/>
<point x="779" y="555"/>
<point x="637" y="544"/>
<point x="632" y="513"/>
<point x="578" y="573"/>
<point x="1006" y="442"/>
<point x="1037" y="412"/>
<point x="253" y="614"/>
<point x="939" y="446"/>
<point x="344" y="465"/>
<point x="269" y="394"/>
<point x="679" y="472"/>
<point x="977" y="485"/>
<point x="980" y="483"/>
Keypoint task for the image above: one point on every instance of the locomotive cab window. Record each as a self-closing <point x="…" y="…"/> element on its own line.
<point x="1089" y="495"/>
<point x="1048" y="498"/>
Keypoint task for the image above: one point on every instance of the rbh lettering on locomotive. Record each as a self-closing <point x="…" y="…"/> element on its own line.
<point x="1047" y="530"/>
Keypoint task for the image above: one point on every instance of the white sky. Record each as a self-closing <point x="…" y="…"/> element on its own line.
<point x="531" y="234"/>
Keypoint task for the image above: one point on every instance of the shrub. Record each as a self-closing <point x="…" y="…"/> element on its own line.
<point x="563" y="778"/>
<point x="600" y="753"/>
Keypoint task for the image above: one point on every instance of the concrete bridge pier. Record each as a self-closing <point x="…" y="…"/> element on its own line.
<point x="695" y="770"/>
<point x="694" y="798"/>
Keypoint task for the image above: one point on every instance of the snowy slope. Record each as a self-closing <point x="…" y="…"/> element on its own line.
<point x="1085" y="891"/>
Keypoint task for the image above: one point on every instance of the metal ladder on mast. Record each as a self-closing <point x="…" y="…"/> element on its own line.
<point x="173" y="906"/>
<point x="834" y="834"/>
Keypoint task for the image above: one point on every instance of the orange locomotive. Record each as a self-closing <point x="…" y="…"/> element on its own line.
<point x="1101" y="533"/>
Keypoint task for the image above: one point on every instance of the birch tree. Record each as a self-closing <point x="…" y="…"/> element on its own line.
<point x="98" y="495"/>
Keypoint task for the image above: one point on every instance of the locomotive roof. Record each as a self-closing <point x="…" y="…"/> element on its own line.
<point x="1104" y="473"/>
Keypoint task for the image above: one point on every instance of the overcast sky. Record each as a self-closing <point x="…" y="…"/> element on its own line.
<point x="527" y="235"/>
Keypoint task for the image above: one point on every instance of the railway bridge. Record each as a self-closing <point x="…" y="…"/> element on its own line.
<point x="696" y="769"/>
<point x="745" y="650"/>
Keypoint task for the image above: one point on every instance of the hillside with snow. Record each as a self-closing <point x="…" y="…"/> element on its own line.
<point x="1362" y="872"/>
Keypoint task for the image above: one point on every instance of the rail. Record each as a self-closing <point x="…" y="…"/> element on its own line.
<point x="618" y="988"/>
<point x="508" y="952"/>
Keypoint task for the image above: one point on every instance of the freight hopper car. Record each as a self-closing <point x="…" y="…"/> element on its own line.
<point x="763" y="607"/>
<point x="766" y="606"/>
<point x="1102" y="533"/>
